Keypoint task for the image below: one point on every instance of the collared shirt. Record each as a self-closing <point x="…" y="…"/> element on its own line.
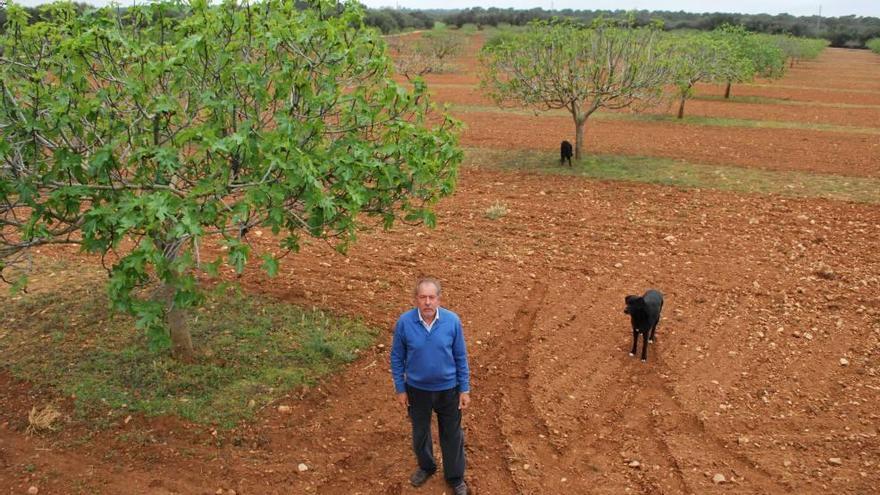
<point x="429" y="326"/>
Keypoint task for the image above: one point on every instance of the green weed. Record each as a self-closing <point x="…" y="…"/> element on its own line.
<point x="685" y="174"/>
<point x="496" y="211"/>
<point x="672" y="120"/>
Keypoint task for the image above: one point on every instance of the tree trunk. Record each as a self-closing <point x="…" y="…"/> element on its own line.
<point x="681" y="107"/>
<point x="175" y="319"/>
<point x="727" y="91"/>
<point x="579" y="125"/>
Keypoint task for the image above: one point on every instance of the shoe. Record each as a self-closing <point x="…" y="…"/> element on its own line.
<point x="419" y="477"/>
<point x="460" y="489"/>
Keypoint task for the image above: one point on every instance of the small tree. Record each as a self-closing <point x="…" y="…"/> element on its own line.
<point x="737" y="66"/>
<point x="795" y="49"/>
<point x="749" y="56"/>
<point x="149" y="134"/>
<point x="428" y="53"/>
<point x="581" y="69"/>
<point x="769" y="59"/>
<point x="873" y="44"/>
<point x="696" y="57"/>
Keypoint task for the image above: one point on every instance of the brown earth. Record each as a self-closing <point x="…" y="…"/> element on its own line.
<point x="806" y="113"/>
<point x="853" y="152"/>
<point x="842" y="153"/>
<point x="765" y="297"/>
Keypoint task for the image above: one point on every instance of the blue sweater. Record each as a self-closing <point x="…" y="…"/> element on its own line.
<point x="433" y="361"/>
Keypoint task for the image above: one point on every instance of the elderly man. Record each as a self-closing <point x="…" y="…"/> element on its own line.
<point x="430" y="371"/>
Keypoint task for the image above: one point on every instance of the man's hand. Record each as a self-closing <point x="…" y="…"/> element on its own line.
<point x="464" y="400"/>
<point x="403" y="400"/>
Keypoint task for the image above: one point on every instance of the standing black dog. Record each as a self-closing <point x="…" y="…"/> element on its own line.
<point x="565" y="153"/>
<point x="644" y="312"/>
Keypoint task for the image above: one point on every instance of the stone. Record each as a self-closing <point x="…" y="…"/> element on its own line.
<point x="835" y="461"/>
<point x="302" y="467"/>
<point x="284" y="409"/>
<point x="718" y="479"/>
<point x="634" y="464"/>
<point x="33" y="490"/>
<point x="844" y="362"/>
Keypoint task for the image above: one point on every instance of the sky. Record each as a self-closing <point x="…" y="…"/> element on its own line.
<point x="793" y="7"/>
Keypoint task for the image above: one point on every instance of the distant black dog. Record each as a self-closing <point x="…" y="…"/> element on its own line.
<point x="644" y="312"/>
<point x="565" y="153"/>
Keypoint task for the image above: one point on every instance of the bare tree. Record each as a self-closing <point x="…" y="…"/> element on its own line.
<point x="431" y="52"/>
<point x="581" y="69"/>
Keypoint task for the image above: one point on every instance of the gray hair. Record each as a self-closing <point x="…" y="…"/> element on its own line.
<point x="427" y="280"/>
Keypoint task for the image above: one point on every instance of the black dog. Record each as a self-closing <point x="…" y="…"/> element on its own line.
<point x="644" y="312"/>
<point x="565" y="153"/>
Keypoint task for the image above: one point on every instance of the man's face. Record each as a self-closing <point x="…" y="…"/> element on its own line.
<point x="427" y="301"/>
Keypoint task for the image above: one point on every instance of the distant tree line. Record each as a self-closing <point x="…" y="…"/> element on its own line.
<point x="846" y="31"/>
<point x="393" y="21"/>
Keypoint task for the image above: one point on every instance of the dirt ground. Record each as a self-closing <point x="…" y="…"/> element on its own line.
<point x="841" y="153"/>
<point x="813" y="92"/>
<point x="806" y="112"/>
<point x="765" y="370"/>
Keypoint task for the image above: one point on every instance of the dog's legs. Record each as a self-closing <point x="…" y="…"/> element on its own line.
<point x="653" y="333"/>
<point x="635" y="342"/>
<point x="645" y="348"/>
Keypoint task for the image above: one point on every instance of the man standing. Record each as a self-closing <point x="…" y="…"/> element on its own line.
<point x="430" y="371"/>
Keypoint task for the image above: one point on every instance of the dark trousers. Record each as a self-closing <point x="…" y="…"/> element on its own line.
<point x="422" y="404"/>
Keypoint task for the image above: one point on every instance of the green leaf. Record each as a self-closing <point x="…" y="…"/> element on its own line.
<point x="270" y="264"/>
<point x="238" y="255"/>
<point x="19" y="285"/>
<point x="213" y="268"/>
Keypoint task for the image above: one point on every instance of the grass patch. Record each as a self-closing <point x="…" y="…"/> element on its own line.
<point x="671" y="119"/>
<point x="814" y="88"/>
<point x="496" y="211"/>
<point x="684" y="174"/>
<point x="782" y="101"/>
<point x="748" y="123"/>
<point x="251" y="349"/>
